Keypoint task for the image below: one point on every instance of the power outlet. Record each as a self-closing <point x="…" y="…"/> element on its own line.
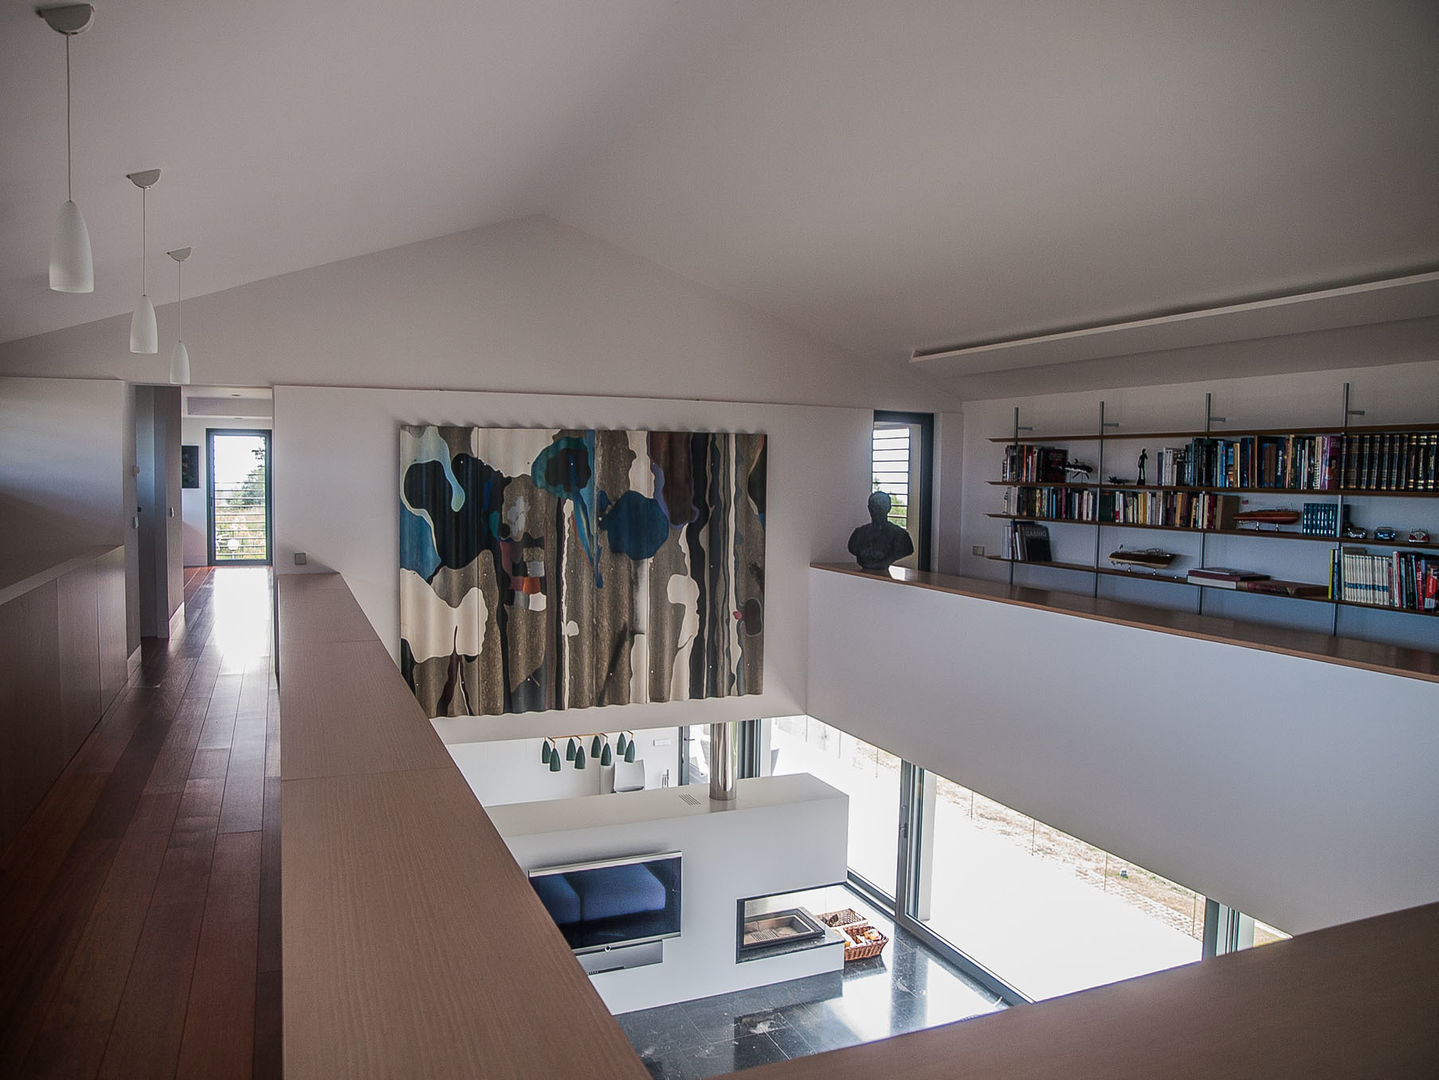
<point x="978" y="549"/>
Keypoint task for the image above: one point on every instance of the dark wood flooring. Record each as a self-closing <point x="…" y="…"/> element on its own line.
<point x="140" y="904"/>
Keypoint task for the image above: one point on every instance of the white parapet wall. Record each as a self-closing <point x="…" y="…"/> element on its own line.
<point x="1300" y="791"/>
<point x="784" y="833"/>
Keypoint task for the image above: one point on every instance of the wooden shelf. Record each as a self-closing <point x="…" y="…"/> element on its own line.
<point x="1348" y="493"/>
<point x="1175" y="579"/>
<point x="1266" y="534"/>
<point x="1235" y="433"/>
<point x="1141" y="575"/>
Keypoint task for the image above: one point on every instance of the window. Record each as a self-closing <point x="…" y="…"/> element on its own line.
<point x="239" y="496"/>
<point x="901" y="456"/>
<point x="1047" y="912"/>
<point x="868" y="775"/>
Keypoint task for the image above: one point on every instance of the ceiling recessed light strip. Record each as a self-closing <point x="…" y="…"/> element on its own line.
<point x="1407" y="296"/>
<point x="72" y="268"/>
<point x="179" y="356"/>
<point x="144" y="333"/>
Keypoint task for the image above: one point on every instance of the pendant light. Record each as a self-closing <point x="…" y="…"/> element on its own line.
<point x="72" y="268"/>
<point x="180" y="357"/>
<point x="144" y="334"/>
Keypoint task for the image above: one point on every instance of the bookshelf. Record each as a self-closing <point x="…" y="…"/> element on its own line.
<point x="1212" y="477"/>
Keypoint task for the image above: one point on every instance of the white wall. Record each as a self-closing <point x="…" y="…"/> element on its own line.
<point x="510" y="771"/>
<point x="529" y="306"/>
<point x="61" y="443"/>
<point x="1393" y="394"/>
<point x="337" y="497"/>
<point x="66" y="451"/>
<point x="1298" y="791"/>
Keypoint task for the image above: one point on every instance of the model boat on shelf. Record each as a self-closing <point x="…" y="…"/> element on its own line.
<point x="1267" y="517"/>
<point x="1146" y="558"/>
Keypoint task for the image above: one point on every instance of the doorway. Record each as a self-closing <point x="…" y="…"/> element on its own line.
<point x="239" y="496"/>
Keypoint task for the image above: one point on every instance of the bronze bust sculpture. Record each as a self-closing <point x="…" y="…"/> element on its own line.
<point x="881" y="542"/>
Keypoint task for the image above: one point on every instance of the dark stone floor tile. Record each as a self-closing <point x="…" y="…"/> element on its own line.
<point x="792" y="1042"/>
<point x="904" y="989"/>
<point x="825" y="1031"/>
<point x="666" y="1025"/>
<point x="743" y="1053"/>
<point x="761" y="1023"/>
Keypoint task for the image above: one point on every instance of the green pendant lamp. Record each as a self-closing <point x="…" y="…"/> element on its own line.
<point x="630" y="751"/>
<point x="622" y="743"/>
<point x="595" y="746"/>
<point x="545" y="752"/>
<point x="579" y="757"/>
<point x="606" y="757"/>
<point x="570" y="749"/>
<point x="555" y="760"/>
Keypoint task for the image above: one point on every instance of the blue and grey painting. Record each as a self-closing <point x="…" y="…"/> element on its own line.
<point x="562" y="569"/>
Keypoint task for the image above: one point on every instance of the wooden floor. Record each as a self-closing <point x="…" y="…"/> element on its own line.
<point x="140" y="905"/>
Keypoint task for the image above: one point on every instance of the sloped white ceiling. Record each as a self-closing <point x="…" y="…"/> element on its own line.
<point x="885" y="176"/>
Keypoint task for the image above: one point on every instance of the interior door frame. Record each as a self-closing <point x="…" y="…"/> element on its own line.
<point x="263" y="433"/>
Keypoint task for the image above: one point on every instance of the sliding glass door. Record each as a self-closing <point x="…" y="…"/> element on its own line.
<point x="1029" y="911"/>
<point x="868" y="775"/>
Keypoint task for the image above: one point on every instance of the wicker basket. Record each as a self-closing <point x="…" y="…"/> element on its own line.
<point x="861" y="940"/>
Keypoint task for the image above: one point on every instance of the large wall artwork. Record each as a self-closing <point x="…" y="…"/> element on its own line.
<point x="544" y="569"/>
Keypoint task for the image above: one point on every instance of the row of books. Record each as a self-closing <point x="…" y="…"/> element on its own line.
<point x="1056" y="503"/>
<point x="1292" y="462"/>
<point x="1394" y="461"/>
<point x="1402" y="579"/>
<point x="1379" y="461"/>
<point x="1178" y="509"/>
<point x="1185" y="509"/>
<point x="1028" y="541"/>
<point x="1321" y="519"/>
<point x="1025" y="462"/>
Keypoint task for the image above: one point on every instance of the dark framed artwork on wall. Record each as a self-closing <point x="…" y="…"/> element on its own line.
<point x="189" y="466"/>
<point x="546" y="568"/>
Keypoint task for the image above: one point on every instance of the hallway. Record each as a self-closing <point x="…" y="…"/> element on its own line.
<point x="140" y="904"/>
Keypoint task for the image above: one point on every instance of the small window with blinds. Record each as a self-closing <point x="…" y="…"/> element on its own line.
<point x="901" y="462"/>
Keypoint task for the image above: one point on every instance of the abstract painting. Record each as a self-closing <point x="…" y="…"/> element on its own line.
<point x="563" y="569"/>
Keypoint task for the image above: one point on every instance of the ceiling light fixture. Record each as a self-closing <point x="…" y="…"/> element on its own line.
<point x="72" y="268"/>
<point x="180" y="357"/>
<point x="144" y="333"/>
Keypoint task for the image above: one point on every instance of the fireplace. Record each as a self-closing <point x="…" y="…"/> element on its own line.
<point x="779" y="924"/>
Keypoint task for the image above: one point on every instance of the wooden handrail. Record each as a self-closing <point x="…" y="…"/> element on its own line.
<point x="1349" y="652"/>
<point x="414" y="946"/>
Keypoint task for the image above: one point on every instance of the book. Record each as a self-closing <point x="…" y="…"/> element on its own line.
<point x="1225" y="574"/>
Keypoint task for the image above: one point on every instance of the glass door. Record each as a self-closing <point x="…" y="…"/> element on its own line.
<point x="239" y="497"/>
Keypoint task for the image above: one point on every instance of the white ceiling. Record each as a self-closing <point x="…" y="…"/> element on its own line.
<point x="885" y="175"/>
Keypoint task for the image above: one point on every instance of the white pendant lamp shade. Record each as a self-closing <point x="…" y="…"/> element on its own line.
<point x="179" y="355"/>
<point x="72" y="269"/>
<point x="144" y="332"/>
<point x="180" y="364"/>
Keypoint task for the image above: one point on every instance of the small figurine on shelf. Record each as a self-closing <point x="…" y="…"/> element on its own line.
<point x="1143" y="457"/>
<point x="881" y="542"/>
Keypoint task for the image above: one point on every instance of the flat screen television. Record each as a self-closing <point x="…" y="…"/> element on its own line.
<point x="612" y="902"/>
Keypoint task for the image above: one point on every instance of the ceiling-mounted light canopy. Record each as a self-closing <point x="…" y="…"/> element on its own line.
<point x="179" y="356"/>
<point x="72" y="268"/>
<point x="144" y="333"/>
